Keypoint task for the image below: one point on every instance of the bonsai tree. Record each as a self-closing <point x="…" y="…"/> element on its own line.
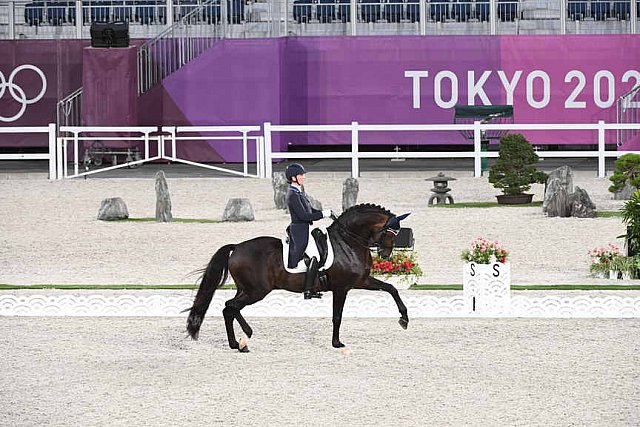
<point x="626" y="169"/>
<point x="514" y="171"/>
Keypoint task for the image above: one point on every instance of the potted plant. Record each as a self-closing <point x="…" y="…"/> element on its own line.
<point x="606" y="261"/>
<point x="514" y="171"/>
<point x="626" y="170"/>
<point x="400" y="270"/>
<point x="486" y="277"/>
<point x="631" y="217"/>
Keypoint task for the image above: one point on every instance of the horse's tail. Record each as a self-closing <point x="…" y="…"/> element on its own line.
<point x="214" y="276"/>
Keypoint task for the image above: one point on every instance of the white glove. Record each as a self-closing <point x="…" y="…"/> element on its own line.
<point x="326" y="213"/>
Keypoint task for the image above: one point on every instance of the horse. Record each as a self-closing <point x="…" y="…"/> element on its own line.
<point x="257" y="268"/>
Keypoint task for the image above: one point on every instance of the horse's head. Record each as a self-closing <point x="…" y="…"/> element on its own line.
<point x="372" y="225"/>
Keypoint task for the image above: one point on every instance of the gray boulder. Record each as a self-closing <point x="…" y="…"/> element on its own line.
<point x="163" y="199"/>
<point x="280" y="188"/>
<point x="625" y="193"/>
<point x="238" y="210"/>
<point x="113" y="209"/>
<point x="564" y="175"/>
<point x="350" y="189"/>
<point x="557" y="199"/>
<point x="581" y="204"/>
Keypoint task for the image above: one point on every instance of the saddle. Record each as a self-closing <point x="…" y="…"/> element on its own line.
<point x="319" y="246"/>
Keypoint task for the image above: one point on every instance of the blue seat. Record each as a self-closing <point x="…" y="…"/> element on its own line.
<point x="577" y="10"/>
<point x="462" y="10"/>
<point x="34" y="13"/>
<point x="326" y="11"/>
<point x="145" y="11"/>
<point x="212" y="12"/>
<point x="100" y="11"/>
<point x="56" y="12"/>
<point x="413" y="10"/>
<point x="600" y="10"/>
<point x="507" y="10"/>
<point x="344" y="10"/>
<point x="369" y="10"/>
<point x="235" y="10"/>
<point x="483" y="10"/>
<point x="186" y="7"/>
<point x="302" y="11"/>
<point x="622" y="10"/>
<point x="122" y="10"/>
<point x="439" y="10"/>
<point x="393" y="11"/>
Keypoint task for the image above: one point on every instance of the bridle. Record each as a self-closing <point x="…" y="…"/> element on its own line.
<point x="365" y="243"/>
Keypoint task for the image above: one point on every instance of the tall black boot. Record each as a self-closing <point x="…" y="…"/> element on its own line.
<point x="312" y="272"/>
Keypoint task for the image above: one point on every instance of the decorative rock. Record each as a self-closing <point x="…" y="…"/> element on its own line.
<point x="565" y="176"/>
<point x="163" y="199"/>
<point x="581" y="204"/>
<point x="625" y="193"/>
<point x="238" y="210"/>
<point x="557" y="199"/>
<point x="350" y="189"/>
<point x="280" y="188"/>
<point x="113" y="209"/>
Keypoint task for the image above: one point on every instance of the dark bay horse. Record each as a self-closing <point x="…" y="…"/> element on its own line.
<point x="257" y="268"/>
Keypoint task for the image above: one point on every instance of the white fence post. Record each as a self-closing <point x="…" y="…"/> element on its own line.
<point x="477" y="152"/>
<point x="53" y="158"/>
<point x="267" y="150"/>
<point x="601" y="153"/>
<point x="245" y="165"/>
<point x="355" y="167"/>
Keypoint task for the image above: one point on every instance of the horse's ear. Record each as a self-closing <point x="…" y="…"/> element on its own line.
<point x="403" y="216"/>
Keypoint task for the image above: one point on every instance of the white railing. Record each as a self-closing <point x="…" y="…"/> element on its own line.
<point x="48" y="155"/>
<point x="477" y="154"/>
<point x="217" y="133"/>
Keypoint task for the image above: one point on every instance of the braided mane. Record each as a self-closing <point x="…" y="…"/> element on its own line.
<point x="361" y="208"/>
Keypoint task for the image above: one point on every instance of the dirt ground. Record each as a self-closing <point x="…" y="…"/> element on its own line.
<point x="439" y="372"/>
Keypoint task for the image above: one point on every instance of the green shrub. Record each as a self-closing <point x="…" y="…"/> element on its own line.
<point x="515" y="170"/>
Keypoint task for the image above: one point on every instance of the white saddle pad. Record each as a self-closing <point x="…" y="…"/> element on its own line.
<point x="311" y="251"/>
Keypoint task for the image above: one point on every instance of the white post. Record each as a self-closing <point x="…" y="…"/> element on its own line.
<point x="75" y="154"/>
<point x="259" y="159"/>
<point x="285" y="13"/>
<point x="634" y="17"/>
<point x="53" y="158"/>
<point x="245" y="165"/>
<point x="12" y="20"/>
<point x="601" y="157"/>
<point x="354" y="17"/>
<point x="64" y="157"/>
<point x="477" y="152"/>
<point x="78" y="19"/>
<point x="355" y="169"/>
<point x="59" y="156"/>
<point x="169" y="13"/>
<point x="146" y="145"/>
<point x="267" y="150"/>
<point x="423" y="17"/>
<point x="493" y="17"/>
<point x="563" y="17"/>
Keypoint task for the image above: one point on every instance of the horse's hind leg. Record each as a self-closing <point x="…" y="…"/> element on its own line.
<point x="232" y="311"/>
<point x="228" y="314"/>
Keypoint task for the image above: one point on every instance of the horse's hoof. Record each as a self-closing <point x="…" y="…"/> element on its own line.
<point x="337" y="345"/>
<point x="243" y="346"/>
<point x="403" y="322"/>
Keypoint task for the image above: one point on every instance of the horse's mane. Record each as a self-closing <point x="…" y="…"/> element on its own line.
<point x="362" y="208"/>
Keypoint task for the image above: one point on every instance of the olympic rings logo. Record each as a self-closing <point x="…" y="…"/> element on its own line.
<point x="18" y="93"/>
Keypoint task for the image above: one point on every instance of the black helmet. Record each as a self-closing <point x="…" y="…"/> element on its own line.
<point x="294" y="169"/>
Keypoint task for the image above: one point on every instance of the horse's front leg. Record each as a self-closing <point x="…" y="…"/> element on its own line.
<point x="339" y="296"/>
<point x="374" y="284"/>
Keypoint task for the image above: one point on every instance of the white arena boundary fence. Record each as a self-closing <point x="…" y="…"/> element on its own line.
<point x="64" y="151"/>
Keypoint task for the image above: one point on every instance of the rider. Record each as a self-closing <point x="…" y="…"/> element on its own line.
<point x="302" y="216"/>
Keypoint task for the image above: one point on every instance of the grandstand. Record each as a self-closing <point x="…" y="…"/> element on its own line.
<point x="21" y="19"/>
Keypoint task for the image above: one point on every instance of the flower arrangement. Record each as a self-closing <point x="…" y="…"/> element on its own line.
<point x="605" y="258"/>
<point x="485" y="251"/>
<point x="400" y="263"/>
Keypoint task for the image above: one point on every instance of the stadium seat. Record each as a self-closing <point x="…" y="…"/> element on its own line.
<point x="186" y="7"/>
<point x="413" y="10"/>
<point x="122" y="10"/>
<point x="145" y="11"/>
<point x="100" y="11"/>
<point x="439" y="10"/>
<point x="369" y="10"/>
<point x="393" y="11"/>
<point x="302" y="11"/>
<point x="507" y="10"/>
<point x="461" y="10"/>
<point x="326" y="11"/>
<point x="344" y="10"/>
<point x="483" y="10"/>
<point x="622" y="10"/>
<point x="577" y="10"/>
<point x="235" y="10"/>
<point x="56" y="12"/>
<point x="600" y="10"/>
<point x="212" y="12"/>
<point x="34" y="13"/>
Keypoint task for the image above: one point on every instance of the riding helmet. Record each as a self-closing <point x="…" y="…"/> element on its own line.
<point x="294" y="169"/>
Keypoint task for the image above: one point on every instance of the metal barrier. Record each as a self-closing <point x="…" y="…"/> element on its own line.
<point x="627" y="111"/>
<point x="477" y="154"/>
<point x="49" y="155"/>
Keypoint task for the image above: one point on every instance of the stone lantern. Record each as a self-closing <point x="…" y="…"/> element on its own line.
<point x="440" y="189"/>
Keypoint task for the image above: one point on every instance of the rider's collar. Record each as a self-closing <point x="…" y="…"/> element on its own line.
<point x="296" y="187"/>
